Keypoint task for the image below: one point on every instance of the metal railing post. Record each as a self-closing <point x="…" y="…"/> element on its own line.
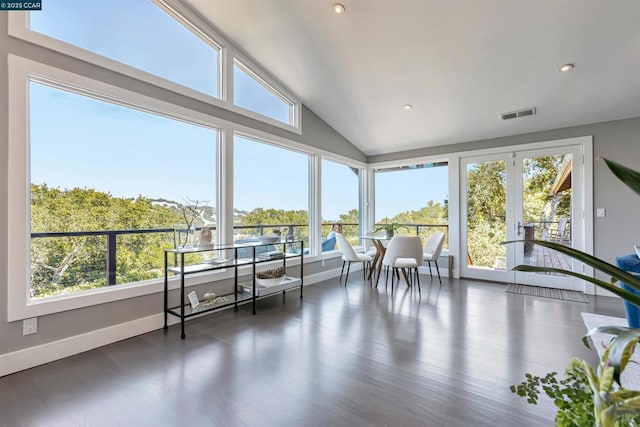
<point x="111" y="258"/>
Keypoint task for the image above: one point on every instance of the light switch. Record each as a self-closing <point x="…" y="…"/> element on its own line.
<point x="600" y="213"/>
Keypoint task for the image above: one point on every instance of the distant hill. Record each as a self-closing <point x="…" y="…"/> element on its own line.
<point x="208" y="216"/>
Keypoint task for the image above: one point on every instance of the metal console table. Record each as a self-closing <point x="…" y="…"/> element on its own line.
<point x="245" y="292"/>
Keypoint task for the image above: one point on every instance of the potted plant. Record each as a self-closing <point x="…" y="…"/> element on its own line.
<point x="389" y="227"/>
<point x="612" y="404"/>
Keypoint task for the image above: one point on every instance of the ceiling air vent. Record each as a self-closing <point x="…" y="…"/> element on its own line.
<point x="516" y="114"/>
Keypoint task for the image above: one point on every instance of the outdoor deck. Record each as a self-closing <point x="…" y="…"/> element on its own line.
<point x="545" y="257"/>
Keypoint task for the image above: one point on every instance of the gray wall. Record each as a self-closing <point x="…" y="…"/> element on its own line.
<point x="617" y="140"/>
<point x="315" y="133"/>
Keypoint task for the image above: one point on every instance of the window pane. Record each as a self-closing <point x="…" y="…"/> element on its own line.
<point x="253" y="95"/>
<point x="100" y="171"/>
<point x="340" y="200"/>
<point x="136" y="33"/>
<point x="414" y="196"/>
<point x="487" y="215"/>
<point x="271" y="191"/>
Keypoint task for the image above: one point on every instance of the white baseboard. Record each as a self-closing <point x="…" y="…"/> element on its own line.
<point x="45" y="353"/>
<point x="39" y="355"/>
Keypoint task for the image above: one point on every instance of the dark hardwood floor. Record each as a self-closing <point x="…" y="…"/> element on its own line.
<point x="341" y="357"/>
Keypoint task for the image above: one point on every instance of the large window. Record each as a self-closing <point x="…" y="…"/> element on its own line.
<point x="252" y="93"/>
<point x="136" y="33"/>
<point x="340" y="201"/>
<point x="108" y="183"/>
<point x="414" y="196"/>
<point x="271" y="191"/>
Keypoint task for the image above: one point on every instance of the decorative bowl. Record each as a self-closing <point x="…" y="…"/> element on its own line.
<point x="269" y="282"/>
<point x="269" y="238"/>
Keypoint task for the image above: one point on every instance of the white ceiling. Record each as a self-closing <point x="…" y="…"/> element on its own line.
<point x="460" y="63"/>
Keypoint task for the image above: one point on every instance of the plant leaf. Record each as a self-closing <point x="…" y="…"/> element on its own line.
<point x="620" y="349"/>
<point x="590" y="260"/>
<point x="630" y="177"/>
<point x="623" y="293"/>
<point x="629" y="406"/>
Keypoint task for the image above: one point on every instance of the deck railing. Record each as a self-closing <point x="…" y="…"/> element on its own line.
<point x="350" y="229"/>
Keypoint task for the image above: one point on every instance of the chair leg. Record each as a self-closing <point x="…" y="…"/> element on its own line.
<point x="430" y="273"/>
<point x="418" y="280"/>
<point x="438" y="273"/>
<point x="342" y="271"/>
<point x="347" y="278"/>
<point x="393" y="273"/>
<point x="386" y="277"/>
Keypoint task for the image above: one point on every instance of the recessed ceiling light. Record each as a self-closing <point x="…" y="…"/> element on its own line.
<point x="407" y="106"/>
<point x="338" y="8"/>
<point x="566" y="67"/>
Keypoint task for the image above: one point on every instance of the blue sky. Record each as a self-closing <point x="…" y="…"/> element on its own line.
<point x="82" y="142"/>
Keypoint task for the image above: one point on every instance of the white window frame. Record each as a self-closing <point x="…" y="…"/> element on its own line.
<point x="21" y="72"/>
<point x="313" y="183"/>
<point x="453" y="188"/>
<point x="362" y="202"/>
<point x="19" y="27"/>
<point x="227" y="54"/>
<point x="276" y="89"/>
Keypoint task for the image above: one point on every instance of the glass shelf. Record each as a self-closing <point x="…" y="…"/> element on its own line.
<point x="203" y="307"/>
<point x="287" y="283"/>
<point x="246" y="291"/>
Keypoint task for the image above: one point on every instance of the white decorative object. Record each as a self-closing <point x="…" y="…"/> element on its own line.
<point x="205" y="236"/>
<point x="269" y="238"/>
<point x="193" y="299"/>
<point x="269" y="282"/>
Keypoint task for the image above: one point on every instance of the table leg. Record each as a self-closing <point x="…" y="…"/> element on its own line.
<point x="380" y="254"/>
<point x="374" y="264"/>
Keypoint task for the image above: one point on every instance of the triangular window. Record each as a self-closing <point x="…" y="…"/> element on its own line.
<point x="254" y="94"/>
<point x="136" y="33"/>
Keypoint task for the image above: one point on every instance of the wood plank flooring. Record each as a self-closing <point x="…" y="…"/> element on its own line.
<point x="545" y="257"/>
<point x="340" y="357"/>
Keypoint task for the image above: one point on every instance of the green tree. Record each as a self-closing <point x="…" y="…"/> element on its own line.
<point x="486" y="212"/>
<point x="71" y="263"/>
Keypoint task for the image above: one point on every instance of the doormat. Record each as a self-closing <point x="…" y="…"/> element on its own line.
<point x="539" y="291"/>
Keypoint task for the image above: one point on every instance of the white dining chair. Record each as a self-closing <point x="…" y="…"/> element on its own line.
<point x="349" y="256"/>
<point x="403" y="253"/>
<point x="432" y="251"/>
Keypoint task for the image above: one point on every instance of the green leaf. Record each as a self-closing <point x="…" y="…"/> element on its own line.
<point x="607" y="378"/>
<point x="630" y="177"/>
<point x="629" y="406"/>
<point x="620" y="348"/>
<point x="584" y="257"/>
<point x="623" y="293"/>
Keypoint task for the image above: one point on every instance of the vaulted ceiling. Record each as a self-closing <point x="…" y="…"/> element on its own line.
<point x="459" y="63"/>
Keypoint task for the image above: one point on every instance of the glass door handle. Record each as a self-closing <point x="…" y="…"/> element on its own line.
<point x="519" y="229"/>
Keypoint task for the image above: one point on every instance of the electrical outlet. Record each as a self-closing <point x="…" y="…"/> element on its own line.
<point x="30" y="326"/>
